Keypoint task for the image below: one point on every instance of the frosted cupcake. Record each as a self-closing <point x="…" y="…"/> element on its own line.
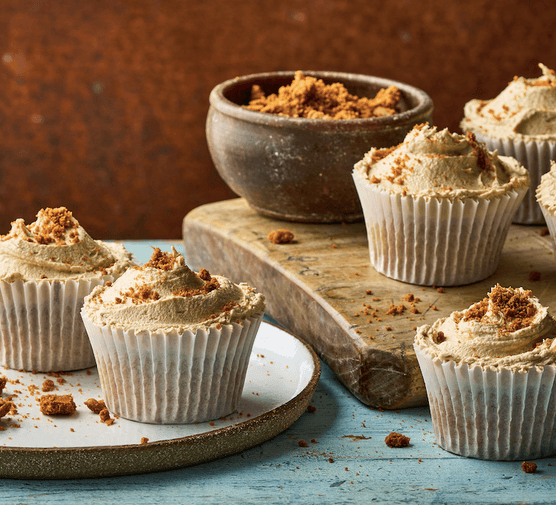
<point x="546" y="197"/>
<point x="520" y="122"/>
<point x="172" y="346"/>
<point x="490" y="375"/>
<point x="438" y="207"/>
<point x="46" y="269"/>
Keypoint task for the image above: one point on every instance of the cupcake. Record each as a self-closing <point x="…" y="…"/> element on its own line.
<point x="490" y="376"/>
<point x="520" y="122"/>
<point x="546" y="197"/>
<point x="172" y="346"/>
<point x="46" y="269"/>
<point x="438" y="207"/>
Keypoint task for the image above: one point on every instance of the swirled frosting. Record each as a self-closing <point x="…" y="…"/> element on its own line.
<point x="56" y="247"/>
<point x="431" y="163"/>
<point x="546" y="190"/>
<point x="508" y="329"/>
<point x="166" y="294"/>
<point x="525" y="109"/>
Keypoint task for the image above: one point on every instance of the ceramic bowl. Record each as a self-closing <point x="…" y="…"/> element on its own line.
<point x="299" y="169"/>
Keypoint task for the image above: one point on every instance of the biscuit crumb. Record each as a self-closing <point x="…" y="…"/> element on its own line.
<point x="529" y="466"/>
<point x="48" y="385"/>
<point x="397" y="440"/>
<point x="53" y="405"/>
<point x="3" y="382"/>
<point x="302" y="443"/>
<point x="5" y="407"/>
<point x="144" y="440"/>
<point x="95" y="405"/>
<point x="311" y="409"/>
<point x="104" y="415"/>
<point x="440" y="337"/>
<point x="280" y="237"/>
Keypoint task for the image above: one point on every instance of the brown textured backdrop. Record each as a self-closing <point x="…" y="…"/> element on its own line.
<point x="103" y="103"/>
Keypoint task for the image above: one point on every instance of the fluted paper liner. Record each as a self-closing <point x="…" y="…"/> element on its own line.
<point x="487" y="414"/>
<point x="550" y="219"/>
<point x="173" y="377"/>
<point x="41" y="327"/>
<point x="435" y="241"/>
<point x="535" y="156"/>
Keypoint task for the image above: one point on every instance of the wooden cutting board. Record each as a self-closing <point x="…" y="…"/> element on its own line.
<point x="323" y="289"/>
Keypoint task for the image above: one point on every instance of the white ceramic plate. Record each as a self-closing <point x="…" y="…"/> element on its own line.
<point x="282" y="376"/>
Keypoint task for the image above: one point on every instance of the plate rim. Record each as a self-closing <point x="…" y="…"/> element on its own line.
<point x="94" y="461"/>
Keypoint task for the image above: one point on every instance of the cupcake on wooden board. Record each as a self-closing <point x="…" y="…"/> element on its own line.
<point x="438" y="207"/>
<point x="490" y="374"/>
<point x="46" y="269"/>
<point x="172" y="346"/>
<point x="520" y="122"/>
<point x="546" y="197"/>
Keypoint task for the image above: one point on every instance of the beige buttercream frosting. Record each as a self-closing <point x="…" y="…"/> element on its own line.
<point x="508" y="329"/>
<point x="431" y="163"/>
<point x="546" y="190"/>
<point x="526" y="109"/>
<point x="56" y="247"/>
<point x="166" y="294"/>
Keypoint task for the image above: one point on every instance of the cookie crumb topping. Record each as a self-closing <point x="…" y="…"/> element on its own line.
<point x="515" y="307"/>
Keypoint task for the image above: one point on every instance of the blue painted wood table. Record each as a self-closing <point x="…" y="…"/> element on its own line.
<point x="345" y="460"/>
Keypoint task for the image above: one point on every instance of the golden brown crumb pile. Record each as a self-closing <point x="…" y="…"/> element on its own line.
<point x="53" y="229"/>
<point x="5" y="407"/>
<point x="99" y="407"/>
<point x="309" y="97"/>
<point x="95" y="405"/>
<point x="210" y="285"/>
<point x="529" y="466"/>
<point x="165" y="261"/>
<point x="397" y="440"/>
<point x="54" y="405"/>
<point x="48" y="385"/>
<point x="517" y="311"/>
<point x="161" y="260"/>
<point x="280" y="237"/>
<point x="140" y="294"/>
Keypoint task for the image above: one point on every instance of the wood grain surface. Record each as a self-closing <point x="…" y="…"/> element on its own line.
<point x="323" y="289"/>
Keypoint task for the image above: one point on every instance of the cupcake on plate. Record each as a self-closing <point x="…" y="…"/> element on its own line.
<point x="520" y="122"/>
<point x="172" y="346"/>
<point x="546" y="197"/>
<point x="46" y="269"/>
<point x="438" y="207"/>
<point x="490" y="375"/>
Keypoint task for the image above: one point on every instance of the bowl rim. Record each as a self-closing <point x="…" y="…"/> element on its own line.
<point x="218" y="100"/>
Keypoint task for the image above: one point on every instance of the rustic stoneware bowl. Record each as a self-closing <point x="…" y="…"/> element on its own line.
<point x="299" y="169"/>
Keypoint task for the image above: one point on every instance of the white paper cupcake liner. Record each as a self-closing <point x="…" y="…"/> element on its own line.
<point x="435" y="241"/>
<point x="41" y="327"/>
<point x="535" y="156"/>
<point x="487" y="414"/>
<point x="173" y="378"/>
<point x="551" y="223"/>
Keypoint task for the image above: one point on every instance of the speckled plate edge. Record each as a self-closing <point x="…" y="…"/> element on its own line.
<point x="88" y="462"/>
